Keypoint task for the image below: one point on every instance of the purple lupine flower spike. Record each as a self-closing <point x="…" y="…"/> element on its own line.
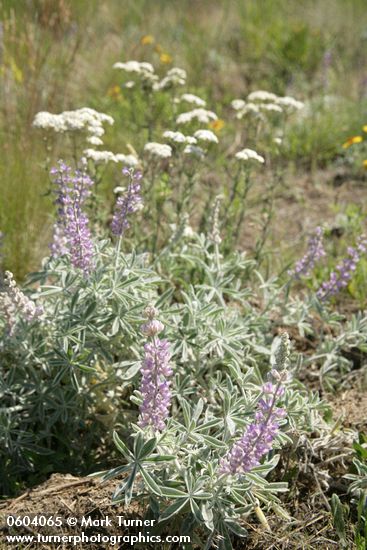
<point x="315" y="251"/>
<point x="340" y="278"/>
<point x="127" y="204"/>
<point x="156" y="371"/>
<point x="72" y="235"/>
<point x="257" y="439"/>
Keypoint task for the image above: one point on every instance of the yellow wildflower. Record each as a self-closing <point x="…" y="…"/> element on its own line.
<point x="114" y="92"/>
<point x="165" y="58"/>
<point x="351" y="141"/>
<point x="216" y="125"/>
<point x="364" y="128"/>
<point x="365" y="164"/>
<point x="147" y="39"/>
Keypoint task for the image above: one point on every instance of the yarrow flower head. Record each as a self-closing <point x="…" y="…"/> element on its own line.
<point x="200" y="115"/>
<point x="156" y="371"/>
<point x="14" y="302"/>
<point x="193" y="100"/>
<point x="161" y="150"/>
<point x="249" y="155"/>
<point x="71" y="232"/>
<point x="175" y="137"/>
<point x="134" y="67"/>
<point x="340" y="278"/>
<point x="128" y="203"/>
<point x="85" y="120"/>
<point x="194" y="151"/>
<point x="206" y="136"/>
<point x="262" y="96"/>
<point x="103" y="157"/>
<point x="258" y="438"/>
<point x="174" y="77"/>
<point x="142" y="69"/>
<point x="261" y="101"/>
<point x="315" y="251"/>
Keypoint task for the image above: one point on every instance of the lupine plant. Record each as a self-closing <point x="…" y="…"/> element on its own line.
<point x="149" y="321"/>
<point x="205" y="467"/>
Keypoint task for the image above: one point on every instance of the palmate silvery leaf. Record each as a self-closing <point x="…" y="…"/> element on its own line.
<point x="213" y="442"/>
<point x="207" y="515"/>
<point x="122" y="447"/>
<point x="129" y="368"/>
<point x="115" y="472"/>
<point x="172" y="492"/>
<point x="159" y="458"/>
<point x="174" y="509"/>
<point x="150" y="482"/>
<point x="236" y="528"/>
<point x="125" y="491"/>
<point x="146" y="449"/>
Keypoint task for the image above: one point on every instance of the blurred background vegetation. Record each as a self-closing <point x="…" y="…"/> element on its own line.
<point x="58" y="54"/>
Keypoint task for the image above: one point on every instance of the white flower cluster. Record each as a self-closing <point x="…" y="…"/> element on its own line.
<point x="189" y="142"/>
<point x="248" y="155"/>
<point x="145" y="71"/>
<point x="160" y="150"/>
<point x="206" y="135"/>
<point x="192" y="99"/>
<point x="141" y="69"/>
<point x="174" y="77"/>
<point x="103" y="157"/>
<point x="261" y="101"/>
<point x="178" y="137"/>
<point x="81" y="120"/>
<point x="186" y="230"/>
<point x="136" y="67"/>
<point x="195" y="151"/>
<point x="201" y="115"/>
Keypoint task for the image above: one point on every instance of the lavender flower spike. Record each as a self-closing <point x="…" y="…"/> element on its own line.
<point x="259" y="436"/>
<point x="72" y="235"/>
<point x="155" y="386"/>
<point x="340" y="278"/>
<point x="128" y="203"/>
<point x="315" y="251"/>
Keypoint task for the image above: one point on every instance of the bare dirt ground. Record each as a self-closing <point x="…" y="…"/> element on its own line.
<point x="305" y="201"/>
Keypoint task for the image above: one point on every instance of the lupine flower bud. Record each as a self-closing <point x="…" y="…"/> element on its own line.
<point x="151" y="312"/>
<point x="214" y="233"/>
<point x="152" y="328"/>
<point x="14" y="302"/>
<point x="155" y="386"/>
<point x="282" y="352"/>
<point x="127" y="204"/>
